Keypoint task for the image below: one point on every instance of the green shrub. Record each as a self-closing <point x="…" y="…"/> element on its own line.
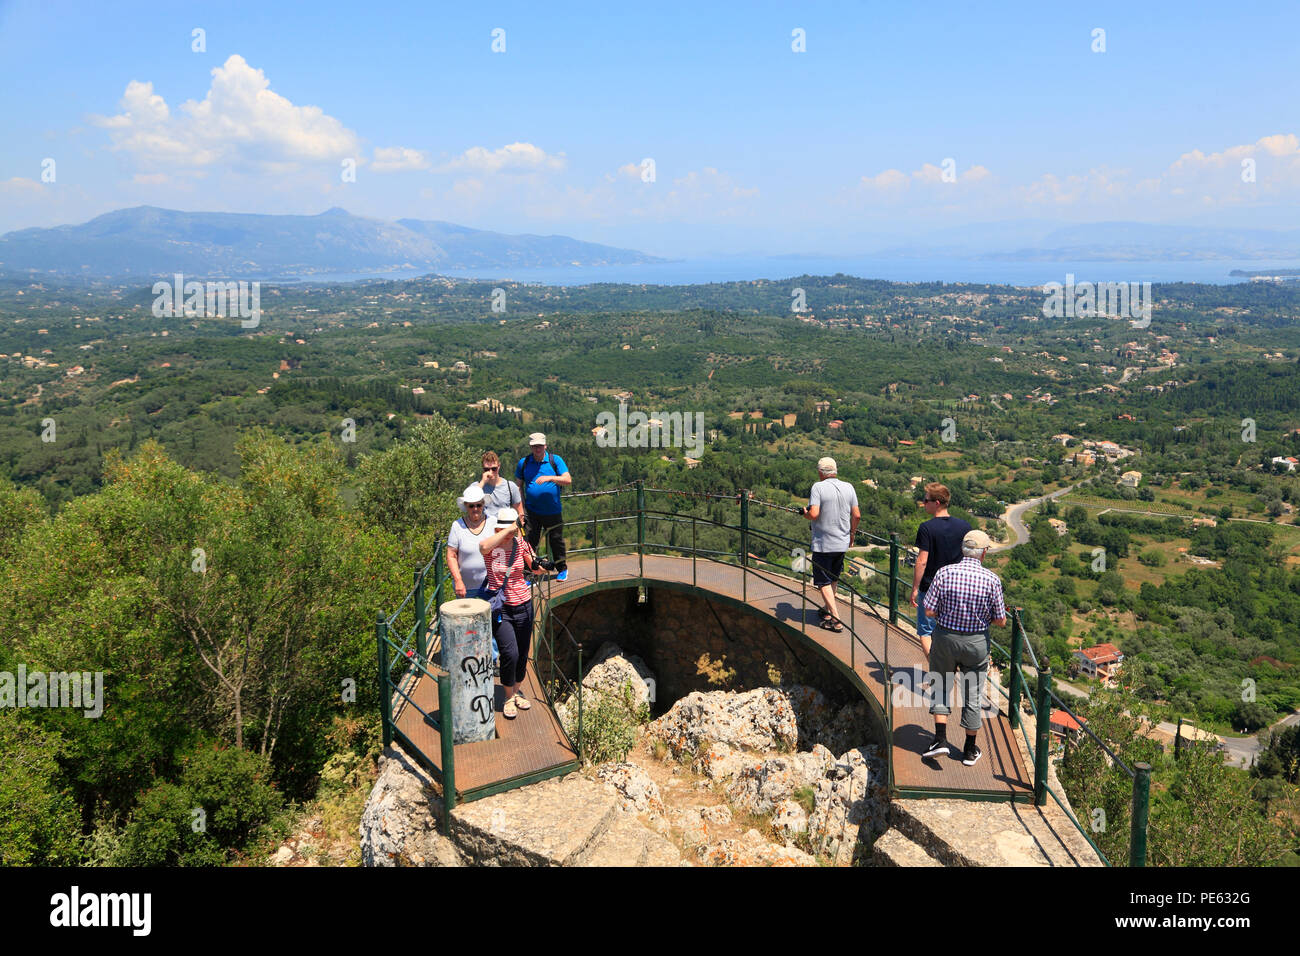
<point x="609" y="723"/>
<point x="162" y="832"/>
<point x="234" y="788"/>
<point x="39" y="822"/>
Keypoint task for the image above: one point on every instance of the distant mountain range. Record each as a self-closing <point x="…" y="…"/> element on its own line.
<point x="147" y="241"/>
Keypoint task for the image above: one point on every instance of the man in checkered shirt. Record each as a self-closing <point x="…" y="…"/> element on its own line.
<point x="964" y="599"/>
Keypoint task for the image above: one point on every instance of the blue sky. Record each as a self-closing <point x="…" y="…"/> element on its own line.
<point x="756" y="148"/>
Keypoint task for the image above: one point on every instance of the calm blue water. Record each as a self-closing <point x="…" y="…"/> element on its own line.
<point x="699" y="271"/>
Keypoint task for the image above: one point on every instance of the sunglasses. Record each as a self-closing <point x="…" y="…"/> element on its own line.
<point x="491" y="467"/>
<point x="475" y="505"/>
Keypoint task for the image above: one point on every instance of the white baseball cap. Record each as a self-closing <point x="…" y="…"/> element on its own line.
<point x="471" y="496"/>
<point x="826" y="466"/>
<point x="537" y="438"/>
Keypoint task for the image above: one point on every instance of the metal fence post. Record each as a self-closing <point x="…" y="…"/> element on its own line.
<point x="1137" y="843"/>
<point x="420" y="618"/>
<point x="893" y="578"/>
<point x="448" y="751"/>
<point x="579" y="702"/>
<point x="595" y="544"/>
<point x="1016" y="688"/>
<point x="385" y="697"/>
<point x="640" y="527"/>
<point x="1044" y="737"/>
<point x="744" y="544"/>
<point x="693" y="551"/>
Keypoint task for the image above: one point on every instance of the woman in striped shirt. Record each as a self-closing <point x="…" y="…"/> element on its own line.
<point x="512" y="626"/>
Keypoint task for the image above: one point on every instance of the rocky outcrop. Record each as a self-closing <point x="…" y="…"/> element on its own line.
<point x="612" y="668"/>
<point x="751" y="850"/>
<point x="399" y="825"/>
<point x="759" y="787"/>
<point x="612" y="671"/>
<point x="893" y="849"/>
<point x="570" y="821"/>
<point x="836" y="729"/>
<point x="789" y="820"/>
<point x="757" y="720"/>
<point x="640" y="794"/>
<point x="851" y="805"/>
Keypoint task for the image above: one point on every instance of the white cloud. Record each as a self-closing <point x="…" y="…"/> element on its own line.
<point x="895" y="180"/>
<point x="516" y="157"/>
<point x="241" y="121"/>
<point x="398" y="158"/>
<point x="19" y="186"/>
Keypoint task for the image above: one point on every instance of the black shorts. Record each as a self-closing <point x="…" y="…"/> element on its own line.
<point x="827" y="567"/>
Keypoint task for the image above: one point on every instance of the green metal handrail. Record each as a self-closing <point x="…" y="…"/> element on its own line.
<point x="1041" y="708"/>
<point x="402" y="655"/>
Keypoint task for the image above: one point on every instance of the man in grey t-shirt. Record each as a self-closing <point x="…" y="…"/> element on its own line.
<point x="833" y="511"/>
<point x="498" y="493"/>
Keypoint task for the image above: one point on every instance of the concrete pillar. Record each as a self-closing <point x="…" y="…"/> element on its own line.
<point x="466" y="628"/>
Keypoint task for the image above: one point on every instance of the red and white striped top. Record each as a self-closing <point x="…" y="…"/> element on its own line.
<point x="518" y="590"/>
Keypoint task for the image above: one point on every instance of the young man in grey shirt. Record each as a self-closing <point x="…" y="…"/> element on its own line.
<point x="498" y="493"/>
<point x="833" y="511"/>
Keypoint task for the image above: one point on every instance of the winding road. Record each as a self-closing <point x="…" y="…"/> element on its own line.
<point x="1013" y="517"/>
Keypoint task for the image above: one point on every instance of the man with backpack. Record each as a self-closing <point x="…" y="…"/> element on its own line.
<point x="540" y="477"/>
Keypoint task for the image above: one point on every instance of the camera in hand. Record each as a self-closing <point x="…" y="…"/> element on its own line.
<point x="801" y="510"/>
<point x="546" y="564"/>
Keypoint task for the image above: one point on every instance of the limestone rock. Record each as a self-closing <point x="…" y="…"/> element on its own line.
<point x="716" y="815"/>
<point x="720" y="762"/>
<point x="751" y="852"/>
<point x="613" y="668"/>
<point x="893" y="849"/>
<point x="547" y="824"/>
<point x="851" y="804"/>
<point x="819" y="723"/>
<point x="399" y="825"/>
<point x="689" y="824"/>
<point x="760" y="720"/>
<point x="627" y="843"/>
<point x="640" y="794"/>
<point x="758" y="788"/>
<point x="789" y="820"/>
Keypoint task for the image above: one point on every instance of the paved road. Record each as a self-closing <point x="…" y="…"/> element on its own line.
<point x="1013" y="517"/>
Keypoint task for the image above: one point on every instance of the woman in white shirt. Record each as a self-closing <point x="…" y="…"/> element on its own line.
<point x="464" y="559"/>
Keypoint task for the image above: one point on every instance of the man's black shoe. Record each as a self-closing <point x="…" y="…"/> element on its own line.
<point x="937" y="746"/>
<point x="972" y="754"/>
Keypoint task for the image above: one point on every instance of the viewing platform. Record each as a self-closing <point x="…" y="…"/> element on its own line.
<point x="752" y="567"/>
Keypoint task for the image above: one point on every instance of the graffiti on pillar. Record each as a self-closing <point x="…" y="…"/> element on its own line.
<point x="476" y="669"/>
<point x="483" y="707"/>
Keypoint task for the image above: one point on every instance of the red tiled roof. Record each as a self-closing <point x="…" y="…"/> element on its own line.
<point x="1061" y="719"/>
<point x="1102" y="653"/>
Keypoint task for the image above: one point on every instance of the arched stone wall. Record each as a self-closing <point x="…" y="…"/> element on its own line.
<point x="687" y="636"/>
